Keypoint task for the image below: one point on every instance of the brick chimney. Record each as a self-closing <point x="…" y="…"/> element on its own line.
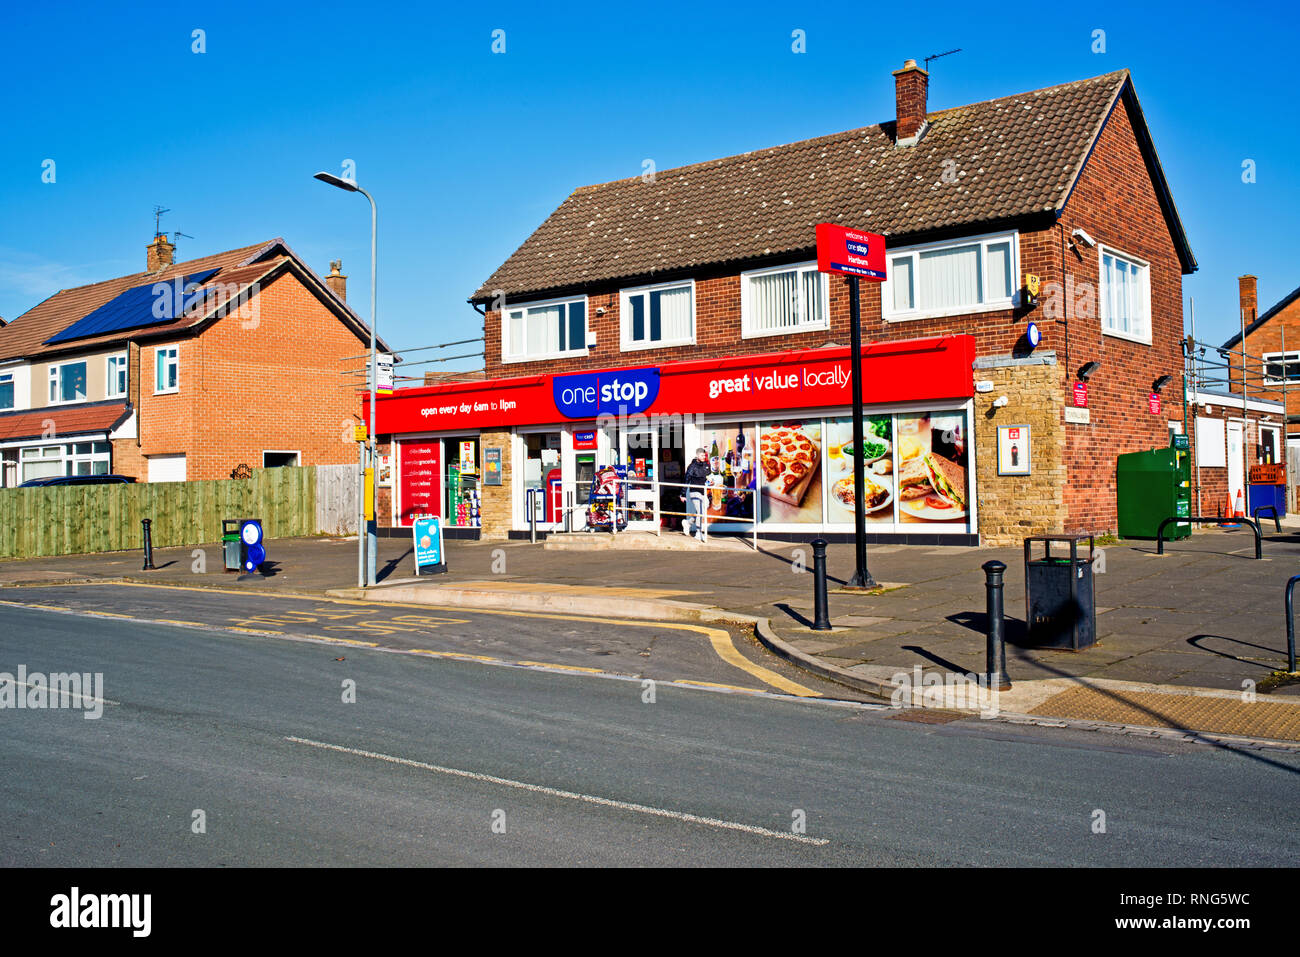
<point x="159" y="253"/>
<point x="910" y="86"/>
<point x="1246" y="294"/>
<point x="337" y="282"/>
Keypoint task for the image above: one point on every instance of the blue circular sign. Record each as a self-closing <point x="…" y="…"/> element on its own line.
<point x="251" y="532"/>
<point x="1033" y="335"/>
<point x="256" y="555"/>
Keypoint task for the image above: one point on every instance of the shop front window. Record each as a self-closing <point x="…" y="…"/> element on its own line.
<point x="462" y="481"/>
<point x="541" y="459"/>
<point x="733" y="472"/>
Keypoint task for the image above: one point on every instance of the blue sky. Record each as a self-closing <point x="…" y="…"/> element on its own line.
<point x="468" y="151"/>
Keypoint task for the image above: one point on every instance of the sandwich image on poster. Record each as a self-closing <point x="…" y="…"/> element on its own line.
<point x="932" y="482"/>
<point x="790" y="455"/>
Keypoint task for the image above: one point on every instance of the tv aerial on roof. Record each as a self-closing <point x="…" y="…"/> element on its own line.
<point x="935" y="56"/>
<point x="157" y="217"/>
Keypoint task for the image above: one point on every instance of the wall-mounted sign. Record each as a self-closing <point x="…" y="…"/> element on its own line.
<point x="588" y="395"/>
<point x="1033" y="336"/>
<point x="850" y="252"/>
<point x="426" y="531"/>
<point x="1153" y="403"/>
<point x="1032" y="284"/>
<point x="359" y="433"/>
<point x="385" y="471"/>
<point x="1077" y="416"/>
<point x="492" y="466"/>
<point x="1081" y="395"/>
<point x="584" y="441"/>
<point x="1013" y="450"/>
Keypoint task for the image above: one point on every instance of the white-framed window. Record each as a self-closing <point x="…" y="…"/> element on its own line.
<point x="1279" y="366"/>
<point x="68" y="383"/>
<point x="7" y="395"/>
<point x="658" y="315"/>
<point x="166" y="369"/>
<point x="87" y="458"/>
<point x="1124" y="295"/>
<point x="544" y="330"/>
<point x="41" y="461"/>
<point x="116" y="376"/>
<point x="952" y="278"/>
<point x="784" y="299"/>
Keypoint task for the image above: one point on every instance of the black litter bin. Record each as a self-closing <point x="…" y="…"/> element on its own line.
<point x="1060" y="611"/>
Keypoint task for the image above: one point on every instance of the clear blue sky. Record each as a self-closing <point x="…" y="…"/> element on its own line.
<point x="468" y="151"/>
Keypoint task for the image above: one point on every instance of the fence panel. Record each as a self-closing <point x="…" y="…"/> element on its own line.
<point x="78" y="519"/>
<point x="336" y="499"/>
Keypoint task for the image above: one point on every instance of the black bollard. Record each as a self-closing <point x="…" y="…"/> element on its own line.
<point x="148" y="546"/>
<point x="996" y="671"/>
<point x="821" y="615"/>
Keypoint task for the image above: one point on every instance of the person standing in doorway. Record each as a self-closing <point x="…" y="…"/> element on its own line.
<point x="697" y="477"/>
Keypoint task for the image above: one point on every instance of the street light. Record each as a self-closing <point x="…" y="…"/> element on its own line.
<point x="367" y="550"/>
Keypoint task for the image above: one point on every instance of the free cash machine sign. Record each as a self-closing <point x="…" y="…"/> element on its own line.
<point x="850" y="252"/>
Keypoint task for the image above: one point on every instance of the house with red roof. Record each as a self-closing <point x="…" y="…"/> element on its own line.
<point x="186" y="370"/>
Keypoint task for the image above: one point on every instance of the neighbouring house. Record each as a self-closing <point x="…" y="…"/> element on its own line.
<point x="186" y="370"/>
<point x="650" y="316"/>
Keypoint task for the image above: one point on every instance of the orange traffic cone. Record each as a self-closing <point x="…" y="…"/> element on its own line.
<point x="1240" y="510"/>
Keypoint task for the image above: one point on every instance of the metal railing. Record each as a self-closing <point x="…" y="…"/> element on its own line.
<point x="1254" y="527"/>
<point x="1277" y="520"/>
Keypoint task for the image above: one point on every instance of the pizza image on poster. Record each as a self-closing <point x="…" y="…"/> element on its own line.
<point x="789" y="461"/>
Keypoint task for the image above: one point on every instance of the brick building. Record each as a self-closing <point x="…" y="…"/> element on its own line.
<point x="1272" y="347"/>
<point x="709" y="269"/>
<point x="184" y="371"/>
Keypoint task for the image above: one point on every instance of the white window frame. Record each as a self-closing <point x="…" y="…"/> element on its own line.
<point x="158" y="354"/>
<point x="12" y="379"/>
<point x="1286" y="359"/>
<point x="1103" y="299"/>
<point x="626" y="344"/>
<point x="747" y="330"/>
<point x="110" y="376"/>
<point x="56" y="383"/>
<point x="887" y="311"/>
<point x="507" y="357"/>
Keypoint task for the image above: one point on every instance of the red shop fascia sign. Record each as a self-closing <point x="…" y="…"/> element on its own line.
<point x="912" y="370"/>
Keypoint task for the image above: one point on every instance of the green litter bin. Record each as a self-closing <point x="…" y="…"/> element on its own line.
<point x="231" y="545"/>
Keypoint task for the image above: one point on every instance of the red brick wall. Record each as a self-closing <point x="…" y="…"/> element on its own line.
<point x="1114" y="201"/>
<point x="264" y="382"/>
<point x="1268" y="338"/>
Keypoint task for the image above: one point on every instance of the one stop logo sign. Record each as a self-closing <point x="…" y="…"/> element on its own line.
<point x="850" y="252"/>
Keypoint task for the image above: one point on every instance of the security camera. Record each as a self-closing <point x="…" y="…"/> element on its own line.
<point x="600" y="310"/>
<point x="1084" y="238"/>
<point x="1000" y="402"/>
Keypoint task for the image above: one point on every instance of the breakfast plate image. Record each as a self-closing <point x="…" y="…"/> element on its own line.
<point x="878" y="495"/>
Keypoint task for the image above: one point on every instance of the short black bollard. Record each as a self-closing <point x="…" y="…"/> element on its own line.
<point x="821" y="615"/>
<point x="996" y="671"/>
<point x="1290" y="625"/>
<point x="148" y="545"/>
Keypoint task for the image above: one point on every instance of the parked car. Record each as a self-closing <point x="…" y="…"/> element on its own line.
<point x="78" y="480"/>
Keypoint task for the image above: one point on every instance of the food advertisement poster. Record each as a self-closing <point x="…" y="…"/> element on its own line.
<point x="932" y="461"/>
<point x="427" y="535"/>
<point x="732" y="459"/>
<point x="790" y="459"/>
<point x="878" y="458"/>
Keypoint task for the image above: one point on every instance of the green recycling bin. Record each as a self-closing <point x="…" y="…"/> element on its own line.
<point x="1151" y="487"/>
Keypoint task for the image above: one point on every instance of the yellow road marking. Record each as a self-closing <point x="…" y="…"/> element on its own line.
<point x="547" y="664"/>
<point x="708" y="684"/>
<point x="451" y="654"/>
<point x="251" y="631"/>
<point x="104" y="614"/>
<point x="344" y="641"/>
<point x="718" y="638"/>
<point x="171" y="621"/>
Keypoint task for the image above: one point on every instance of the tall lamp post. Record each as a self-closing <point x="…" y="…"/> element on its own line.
<point x="371" y="544"/>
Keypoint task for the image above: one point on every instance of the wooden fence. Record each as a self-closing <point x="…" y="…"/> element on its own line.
<point x="76" y="519"/>
<point x="336" y="499"/>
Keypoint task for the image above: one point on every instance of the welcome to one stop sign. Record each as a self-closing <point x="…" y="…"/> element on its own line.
<point x="850" y="252"/>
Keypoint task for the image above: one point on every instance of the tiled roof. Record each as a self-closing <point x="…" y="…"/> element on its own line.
<point x="69" y="421"/>
<point x="1012" y="157"/>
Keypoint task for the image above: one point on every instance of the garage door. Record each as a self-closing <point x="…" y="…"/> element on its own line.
<point x="166" y="468"/>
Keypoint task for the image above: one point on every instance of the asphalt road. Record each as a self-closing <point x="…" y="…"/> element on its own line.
<point x="573" y="769"/>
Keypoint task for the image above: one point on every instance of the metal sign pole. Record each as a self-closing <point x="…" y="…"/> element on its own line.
<point x="861" y="574"/>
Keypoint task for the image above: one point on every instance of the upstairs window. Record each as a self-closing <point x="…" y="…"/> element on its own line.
<point x="6" y="390"/>
<point x="544" y="330"/>
<point x="116" y="376"/>
<point x="661" y="315"/>
<point x="68" y="383"/>
<point x="1124" y="297"/>
<point x="951" y="278"/>
<point x="783" y="299"/>
<point x="167" y="369"/>
<point x="1279" y="366"/>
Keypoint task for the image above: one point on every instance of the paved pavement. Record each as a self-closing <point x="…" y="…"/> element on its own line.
<point x="437" y="761"/>
<point x="1205" y="615"/>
